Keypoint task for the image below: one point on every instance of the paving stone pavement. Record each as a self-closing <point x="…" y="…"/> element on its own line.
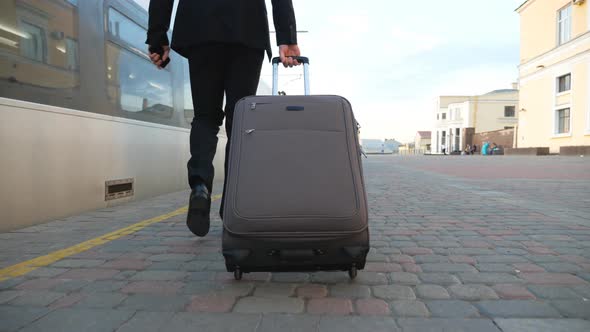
<point x="459" y="243"/>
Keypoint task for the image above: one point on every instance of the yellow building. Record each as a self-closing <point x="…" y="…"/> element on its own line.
<point x="554" y="74"/>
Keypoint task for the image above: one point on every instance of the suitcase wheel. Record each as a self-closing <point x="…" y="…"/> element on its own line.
<point x="352" y="272"/>
<point x="238" y="274"/>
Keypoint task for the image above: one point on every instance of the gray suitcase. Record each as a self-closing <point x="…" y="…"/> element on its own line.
<point x="295" y="198"/>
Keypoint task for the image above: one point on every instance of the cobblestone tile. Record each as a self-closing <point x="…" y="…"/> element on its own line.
<point x="188" y="322"/>
<point x="517" y="309"/>
<point x="439" y="278"/>
<point x="13" y="318"/>
<point x="472" y="292"/>
<point x="534" y="325"/>
<point x="78" y="263"/>
<point x="561" y="267"/>
<point x="408" y="308"/>
<point x="554" y="292"/>
<point x="405" y="278"/>
<point x="382" y="267"/>
<point x="253" y="304"/>
<point x="527" y="267"/>
<point x="513" y="292"/>
<point x="432" y="292"/>
<point x="552" y="279"/>
<point x="495" y="267"/>
<point x="330" y="306"/>
<point x="290" y="277"/>
<point x="394" y="292"/>
<point x="101" y="286"/>
<point x="350" y="291"/>
<point x="67" y="286"/>
<point x="400" y="259"/>
<point x="8" y="295"/>
<point x="39" y="298"/>
<point x="153" y="287"/>
<point x="159" y="275"/>
<point x="446" y="324"/>
<point x="372" y="307"/>
<point x="489" y="278"/>
<point x="74" y="319"/>
<point x="312" y="291"/>
<point x="101" y="300"/>
<point x="46" y="272"/>
<point x="211" y="303"/>
<point x="452" y="308"/>
<point x="67" y="301"/>
<point x="89" y="274"/>
<point x="573" y="308"/>
<point x="357" y="323"/>
<point x="371" y="278"/>
<point x="271" y="290"/>
<point x="147" y="322"/>
<point x="154" y="302"/>
<point x="38" y="284"/>
<point x="446" y="267"/>
<point x="288" y="322"/>
<point x="414" y="251"/>
<point x="126" y="264"/>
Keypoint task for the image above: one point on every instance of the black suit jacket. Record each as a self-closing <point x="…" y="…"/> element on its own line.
<point x="220" y="21"/>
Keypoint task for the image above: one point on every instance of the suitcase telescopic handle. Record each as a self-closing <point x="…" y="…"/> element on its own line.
<point x="275" y="73"/>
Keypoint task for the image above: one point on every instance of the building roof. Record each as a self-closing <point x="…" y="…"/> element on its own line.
<point x="424" y="134"/>
<point x="524" y="3"/>
<point x="501" y="91"/>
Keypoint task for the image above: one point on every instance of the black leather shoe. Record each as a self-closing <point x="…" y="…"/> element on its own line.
<point x="199" y="206"/>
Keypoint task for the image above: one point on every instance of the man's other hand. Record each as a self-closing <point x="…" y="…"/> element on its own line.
<point x="157" y="60"/>
<point x="289" y="50"/>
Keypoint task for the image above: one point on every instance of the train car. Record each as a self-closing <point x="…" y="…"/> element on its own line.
<point x="86" y="121"/>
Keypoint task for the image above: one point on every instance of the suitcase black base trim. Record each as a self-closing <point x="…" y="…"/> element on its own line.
<point x="294" y="255"/>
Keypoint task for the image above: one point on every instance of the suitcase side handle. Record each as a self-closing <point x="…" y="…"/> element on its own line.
<point x="275" y="74"/>
<point x="297" y="254"/>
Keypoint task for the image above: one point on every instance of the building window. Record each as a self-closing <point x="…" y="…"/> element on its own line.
<point x="444" y="116"/>
<point x="72" y="54"/>
<point x="564" y="23"/>
<point x="34" y="46"/>
<point x="437" y="116"/>
<point x="563" y="121"/>
<point x="509" y="111"/>
<point x="124" y="29"/>
<point x="564" y="83"/>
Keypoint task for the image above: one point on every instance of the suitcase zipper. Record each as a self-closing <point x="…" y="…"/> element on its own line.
<point x="249" y="131"/>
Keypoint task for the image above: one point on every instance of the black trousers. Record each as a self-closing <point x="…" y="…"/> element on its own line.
<point x="217" y="70"/>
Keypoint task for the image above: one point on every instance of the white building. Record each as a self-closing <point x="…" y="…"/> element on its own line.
<point x="457" y="115"/>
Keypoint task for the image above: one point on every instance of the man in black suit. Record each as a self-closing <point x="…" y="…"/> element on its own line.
<point x="224" y="42"/>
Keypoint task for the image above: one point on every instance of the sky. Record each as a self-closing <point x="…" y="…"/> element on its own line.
<point x="392" y="58"/>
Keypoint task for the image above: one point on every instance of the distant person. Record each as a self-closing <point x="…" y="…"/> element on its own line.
<point x="473" y="149"/>
<point x="444" y="149"/>
<point x="467" y="149"/>
<point x="224" y="42"/>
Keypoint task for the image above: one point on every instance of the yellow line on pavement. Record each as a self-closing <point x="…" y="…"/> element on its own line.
<point x="23" y="268"/>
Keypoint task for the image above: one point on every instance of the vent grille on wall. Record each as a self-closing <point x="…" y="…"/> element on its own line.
<point x="115" y="189"/>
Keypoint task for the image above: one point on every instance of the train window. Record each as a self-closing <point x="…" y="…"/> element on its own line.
<point x="137" y="86"/>
<point x="33" y="44"/>
<point x="37" y="50"/>
<point x="124" y="29"/>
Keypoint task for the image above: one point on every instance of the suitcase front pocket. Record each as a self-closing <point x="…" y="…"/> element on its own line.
<point x="290" y="179"/>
